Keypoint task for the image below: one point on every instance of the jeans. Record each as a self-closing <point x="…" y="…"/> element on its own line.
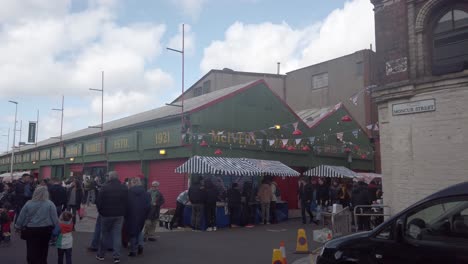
<point x="265" y="213"/>
<point x="37" y="246"/>
<point x="210" y="215"/>
<point x="135" y="242"/>
<point x="305" y="207"/>
<point x="97" y="236"/>
<point x="197" y="212"/>
<point x="111" y="227"/>
<point x="178" y="215"/>
<point x="67" y="253"/>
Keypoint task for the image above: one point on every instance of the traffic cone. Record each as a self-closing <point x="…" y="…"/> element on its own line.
<point x="301" y="246"/>
<point x="283" y="252"/>
<point x="277" y="257"/>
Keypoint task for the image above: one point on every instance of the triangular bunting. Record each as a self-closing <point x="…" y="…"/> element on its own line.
<point x="285" y="142"/>
<point x="376" y="127"/>
<point x="271" y="142"/>
<point x="200" y="137"/>
<point x="356" y="133"/>
<point x="298" y="141"/>
<point x="295" y="125"/>
<point x="339" y="136"/>
<point x="312" y="140"/>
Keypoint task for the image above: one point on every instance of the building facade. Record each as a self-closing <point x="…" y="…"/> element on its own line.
<point x="422" y="96"/>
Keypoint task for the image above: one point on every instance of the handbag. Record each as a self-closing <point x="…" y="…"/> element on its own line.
<point x="25" y="231"/>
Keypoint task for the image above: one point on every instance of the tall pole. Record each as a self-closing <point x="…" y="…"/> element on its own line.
<point x="102" y="112"/>
<point x="14" y="139"/>
<point x="8" y="140"/>
<point x="21" y="131"/>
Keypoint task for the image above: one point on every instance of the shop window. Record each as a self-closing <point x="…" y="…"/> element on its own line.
<point x="320" y="80"/>
<point x="450" y="42"/>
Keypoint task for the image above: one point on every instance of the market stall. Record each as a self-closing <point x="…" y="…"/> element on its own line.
<point x="6" y="177"/>
<point x="240" y="170"/>
<point x="331" y="172"/>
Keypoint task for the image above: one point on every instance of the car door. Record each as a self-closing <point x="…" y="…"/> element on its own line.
<point x="437" y="231"/>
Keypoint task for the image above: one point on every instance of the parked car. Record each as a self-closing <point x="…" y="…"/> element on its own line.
<point x="434" y="230"/>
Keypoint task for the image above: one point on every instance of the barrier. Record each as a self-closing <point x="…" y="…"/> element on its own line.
<point x="341" y="222"/>
<point x="376" y="214"/>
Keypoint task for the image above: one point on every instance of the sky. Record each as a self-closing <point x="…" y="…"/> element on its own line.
<point x="50" y="48"/>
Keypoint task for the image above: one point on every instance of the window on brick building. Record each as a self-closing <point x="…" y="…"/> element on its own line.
<point x="450" y="42"/>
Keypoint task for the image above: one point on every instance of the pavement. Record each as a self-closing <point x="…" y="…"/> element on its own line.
<point x="230" y="246"/>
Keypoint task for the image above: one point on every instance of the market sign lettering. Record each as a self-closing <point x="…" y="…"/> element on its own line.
<point x="414" y="107"/>
<point x="93" y="147"/>
<point x="121" y="143"/>
<point x="240" y="138"/>
<point x="162" y="137"/>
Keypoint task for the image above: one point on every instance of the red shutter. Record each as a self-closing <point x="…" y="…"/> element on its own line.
<point x="46" y="172"/>
<point x="128" y="169"/>
<point x="288" y="187"/>
<point x="170" y="183"/>
<point x="76" y="168"/>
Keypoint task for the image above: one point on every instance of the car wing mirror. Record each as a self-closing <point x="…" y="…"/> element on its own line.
<point x="399" y="231"/>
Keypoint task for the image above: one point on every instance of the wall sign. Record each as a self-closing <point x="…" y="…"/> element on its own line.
<point x="123" y="142"/>
<point x="396" y="66"/>
<point x="93" y="147"/>
<point x="414" y="107"/>
<point x="161" y="137"/>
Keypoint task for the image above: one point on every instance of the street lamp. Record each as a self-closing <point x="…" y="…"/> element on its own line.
<point x="8" y="139"/>
<point x="183" y="67"/>
<point x="102" y="111"/>
<point x="14" y="139"/>
<point x="61" y="124"/>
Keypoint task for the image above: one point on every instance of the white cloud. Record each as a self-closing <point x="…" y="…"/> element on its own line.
<point x="189" y="40"/>
<point x="258" y="47"/>
<point x="48" y="50"/>
<point x="191" y="8"/>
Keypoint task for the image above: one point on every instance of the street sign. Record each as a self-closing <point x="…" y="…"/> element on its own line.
<point x="32" y="132"/>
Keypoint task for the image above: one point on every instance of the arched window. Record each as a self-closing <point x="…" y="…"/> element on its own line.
<point x="450" y="42"/>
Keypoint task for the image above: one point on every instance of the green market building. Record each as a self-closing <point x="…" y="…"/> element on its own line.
<point x="247" y="120"/>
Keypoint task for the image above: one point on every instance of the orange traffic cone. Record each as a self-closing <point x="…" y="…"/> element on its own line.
<point x="301" y="245"/>
<point x="283" y="252"/>
<point x="277" y="257"/>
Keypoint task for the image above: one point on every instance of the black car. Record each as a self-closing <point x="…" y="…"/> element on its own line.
<point x="434" y="230"/>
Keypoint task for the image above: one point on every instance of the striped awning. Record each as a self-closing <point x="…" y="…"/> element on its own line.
<point x="331" y="171"/>
<point x="234" y="166"/>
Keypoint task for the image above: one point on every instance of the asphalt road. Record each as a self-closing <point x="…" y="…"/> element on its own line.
<point x="238" y="245"/>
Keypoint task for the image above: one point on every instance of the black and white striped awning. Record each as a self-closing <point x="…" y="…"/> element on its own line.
<point x="234" y="166"/>
<point x="331" y="171"/>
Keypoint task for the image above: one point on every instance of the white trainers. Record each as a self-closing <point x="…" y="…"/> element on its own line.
<point x="209" y="229"/>
<point x="214" y="228"/>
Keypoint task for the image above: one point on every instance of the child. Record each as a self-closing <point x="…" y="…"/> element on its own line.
<point x="64" y="242"/>
<point x="6" y="216"/>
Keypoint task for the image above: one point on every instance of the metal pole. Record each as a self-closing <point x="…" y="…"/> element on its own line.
<point x="183" y="68"/>
<point x="8" y="142"/>
<point x="102" y="113"/>
<point x="20" y="130"/>
<point x="37" y="126"/>
<point x="14" y="139"/>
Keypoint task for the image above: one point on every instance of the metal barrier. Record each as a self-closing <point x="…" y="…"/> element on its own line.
<point x="376" y="210"/>
<point x="340" y="222"/>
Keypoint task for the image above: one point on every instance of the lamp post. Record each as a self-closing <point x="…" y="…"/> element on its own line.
<point x="102" y="111"/>
<point x="61" y="130"/>
<point x="14" y="139"/>
<point x="182" y="51"/>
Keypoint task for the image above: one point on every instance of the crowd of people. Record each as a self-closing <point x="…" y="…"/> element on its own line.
<point x="316" y="194"/>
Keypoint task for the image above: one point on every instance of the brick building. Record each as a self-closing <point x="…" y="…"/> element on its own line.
<point x="422" y="96"/>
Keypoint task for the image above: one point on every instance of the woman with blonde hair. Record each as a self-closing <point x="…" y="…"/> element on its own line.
<point x="36" y="221"/>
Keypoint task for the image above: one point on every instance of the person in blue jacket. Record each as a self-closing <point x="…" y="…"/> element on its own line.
<point x="139" y="204"/>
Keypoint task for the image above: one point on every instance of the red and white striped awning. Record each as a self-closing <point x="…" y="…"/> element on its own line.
<point x="331" y="171"/>
<point x="235" y="166"/>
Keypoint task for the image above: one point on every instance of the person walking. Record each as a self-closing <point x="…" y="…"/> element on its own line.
<point x="323" y="194"/>
<point x="23" y="192"/>
<point x="58" y="195"/>
<point x="361" y="197"/>
<point x="157" y="200"/>
<point x="178" y="217"/>
<point x="265" y="195"/>
<point x="197" y="199"/>
<point x="334" y="191"/>
<point x="75" y="197"/>
<point x="211" y="197"/>
<point x="112" y="207"/>
<point x="305" y="195"/>
<point x="36" y="221"/>
<point x="139" y="203"/>
<point x="234" y="198"/>
<point x="64" y="235"/>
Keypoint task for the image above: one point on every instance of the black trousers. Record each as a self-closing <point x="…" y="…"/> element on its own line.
<point x="37" y="245"/>
<point x="305" y="207"/>
<point x="178" y="215"/>
<point x="273" y="217"/>
<point x="67" y="253"/>
<point x="210" y="215"/>
<point x="234" y="214"/>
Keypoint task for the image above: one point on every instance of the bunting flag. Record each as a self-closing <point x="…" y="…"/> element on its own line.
<point x="354" y="99"/>
<point x="183" y="136"/>
<point x="376" y="127"/>
<point x="259" y="141"/>
<point x="339" y="136"/>
<point x="271" y="142"/>
<point x="312" y="140"/>
<point x="220" y="133"/>
<point x="295" y="125"/>
<point x="298" y="140"/>
<point x="369" y="126"/>
<point x="356" y="133"/>
<point x="200" y="137"/>
<point x="285" y="142"/>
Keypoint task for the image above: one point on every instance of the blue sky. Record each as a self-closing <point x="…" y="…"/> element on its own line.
<point x="54" y="47"/>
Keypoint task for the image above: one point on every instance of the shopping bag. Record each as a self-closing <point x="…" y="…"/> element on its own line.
<point x="82" y="212"/>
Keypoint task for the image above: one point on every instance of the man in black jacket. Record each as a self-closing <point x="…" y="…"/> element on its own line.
<point x="197" y="199"/>
<point x="361" y="197"/>
<point x="234" y="202"/>
<point x="23" y="193"/>
<point x="58" y="195"/>
<point x="112" y="207"/>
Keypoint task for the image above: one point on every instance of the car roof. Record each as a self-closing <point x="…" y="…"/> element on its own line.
<point x="454" y="190"/>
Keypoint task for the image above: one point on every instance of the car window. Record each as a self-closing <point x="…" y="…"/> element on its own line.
<point x="386" y="233"/>
<point x="441" y="221"/>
